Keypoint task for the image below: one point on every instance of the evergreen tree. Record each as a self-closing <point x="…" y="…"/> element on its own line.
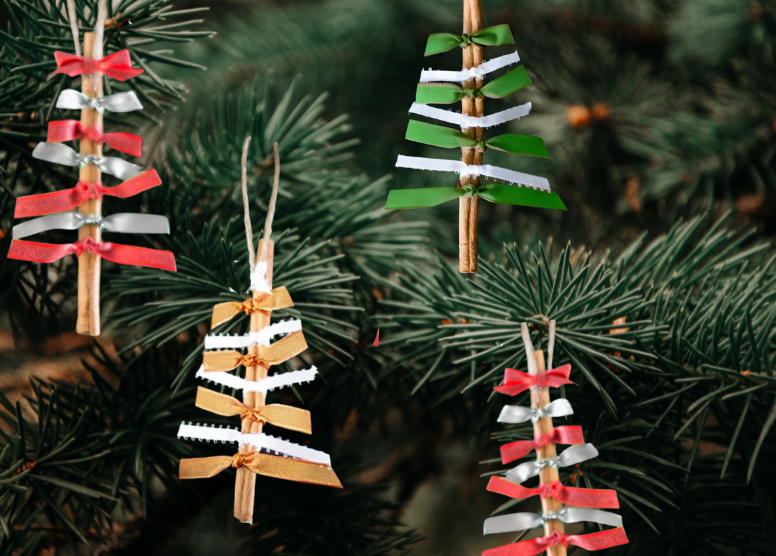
<point x="659" y="117"/>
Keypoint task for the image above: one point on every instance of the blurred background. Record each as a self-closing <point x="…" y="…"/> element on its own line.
<point x="654" y="112"/>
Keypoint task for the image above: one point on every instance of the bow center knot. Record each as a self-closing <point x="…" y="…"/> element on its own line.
<point x="466" y="40"/>
<point x="242" y="460"/>
<point x="92" y="190"/>
<point x="482" y="146"/>
<point x="253" y="414"/>
<point x="543" y="440"/>
<point x="87" y="244"/>
<point x="93" y="134"/>
<point x="90" y="66"/>
<point x="250" y="360"/>
<point x="555" y="538"/>
<point x="470" y="190"/>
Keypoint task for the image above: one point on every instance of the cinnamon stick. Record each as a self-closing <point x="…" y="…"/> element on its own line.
<point x="540" y="397"/>
<point x="245" y="483"/>
<point x="88" y="263"/>
<point x="468" y="207"/>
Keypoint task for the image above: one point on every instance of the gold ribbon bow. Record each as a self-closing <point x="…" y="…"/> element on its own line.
<point x="283" y="350"/>
<point x="279" y="298"/>
<point x="261" y="464"/>
<point x="284" y="416"/>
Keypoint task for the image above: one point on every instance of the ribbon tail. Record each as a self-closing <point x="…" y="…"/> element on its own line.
<point x="515" y="450"/>
<point x="287" y="417"/>
<point x="224" y="312"/>
<point x="283" y="350"/>
<point x="47" y="203"/>
<point x="39" y="252"/>
<point x="142" y="182"/>
<point x="124" y="142"/>
<point x="519" y="144"/>
<point x="421" y="198"/>
<point x="507" y="84"/>
<point x="589" y="497"/>
<point x="220" y="360"/>
<point x="293" y="470"/>
<point x="521" y="196"/>
<point x="279" y="298"/>
<point x="63" y="130"/>
<point x="522" y="548"/>
<point x="441" y="42"/>
<point x="203" y="468"/>
<point x="137" y="256"/>
<point x="600" y="540"/>
<point x="220" y="404"/>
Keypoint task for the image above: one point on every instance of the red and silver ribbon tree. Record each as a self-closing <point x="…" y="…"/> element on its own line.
<point x="80" y="208"/>
<point x="560" y="504"/>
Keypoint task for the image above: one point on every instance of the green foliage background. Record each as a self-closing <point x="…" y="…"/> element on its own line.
<point x="671" y="191"/>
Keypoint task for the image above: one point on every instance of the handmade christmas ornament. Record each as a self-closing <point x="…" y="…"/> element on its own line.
<point x="59" y="206"/>
<point x="560" y="504"/>
<point x="438" y="87"/>
<point x="266" y="345"/>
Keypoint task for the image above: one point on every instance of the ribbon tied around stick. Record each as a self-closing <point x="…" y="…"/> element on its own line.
<point x="574" y="496"/>
<point x="570" y="456"/>
<point x="593" y="541"/>
<point x="516" y="382"/>
<point x="464" y="120"/>
<point x="62" y="154"/>
<point x="445" y="137"/>
<point x="490" y="36"/>
<point x="524" y="520"/>
<point x="116" y="253"/>
<point x="262" y="464"/>
<point x="515" y="414"/>
<point x="122" y="222"/>
<point x="279" y="298"/>
<point x="70" y="99"/>
<point x="68" y="199"/>
<point x="445" y="93"/>
<point x="560" y="435"/>
<point x="283" y="416"/>
<point x="117" y="65"/>
<point x="282" y="350"/>
<point x="68" y="130"/>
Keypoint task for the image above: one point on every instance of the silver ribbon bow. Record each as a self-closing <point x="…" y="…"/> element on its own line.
<point x="570" y="456"/>
<point x="122" y="222"/>
<point x="71" y="99"/>
<point x="518" y="414"/>
<point x="62" y="154"/>
<point x="523" y="521"/>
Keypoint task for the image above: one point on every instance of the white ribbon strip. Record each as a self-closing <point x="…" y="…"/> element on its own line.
<point x="259" y="278"/>
<point x="62" y="154"/>
<point x="523" y="521"/>
<point x="570" y="456"/>
<point x="261" y="338"/>
<point x="465" y="74"/>
<point x="463" y="120"/>
<point x="121" y="222"/>
<point x="518" y="414"/>
<point x="264" y="385"/>
<point x="71" y="99"/>
<point x="418" y="163"/>
<point x="261" y="441"/>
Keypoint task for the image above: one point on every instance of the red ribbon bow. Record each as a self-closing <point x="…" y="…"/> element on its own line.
<point x="118" y="65"/>
<point x="516" y="381"/>
<point x="68" y="199"/>
<point x="593" y="541"/>
<point x="67" y="130"/>
<point x="560" y="435"/>
<point x="571" y="496"/>
<point x="119" y="254"/>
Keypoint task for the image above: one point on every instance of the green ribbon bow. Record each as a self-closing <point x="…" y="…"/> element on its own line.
<point x="447" y="138"/>
<point x="495" y="193"/>
<point x="492" y="36"/>
<point x="446" y="93"/>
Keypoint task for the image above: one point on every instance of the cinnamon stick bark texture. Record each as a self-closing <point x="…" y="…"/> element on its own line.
<point x="540" y="397"/>
<point x="89" y="263"/>
<point x="468" y="207"/>
<point x="245" y="482"/>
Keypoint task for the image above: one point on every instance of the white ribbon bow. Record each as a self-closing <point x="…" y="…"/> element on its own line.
<point x="261" y="441"/>
<point x="261" y="338"/>
<point x="264" y="385"/>
<point x="71" y="99"/>
<point x="418" y="163"/>
<point x="121" y="222"/>
<point x="518" y="414"/>
<point x="464" y="120"/>
<point x="523" y="521"/>
<point x="570" y="456"/>
<point x="470" y="73"/>
<point x="62" y="154"/>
